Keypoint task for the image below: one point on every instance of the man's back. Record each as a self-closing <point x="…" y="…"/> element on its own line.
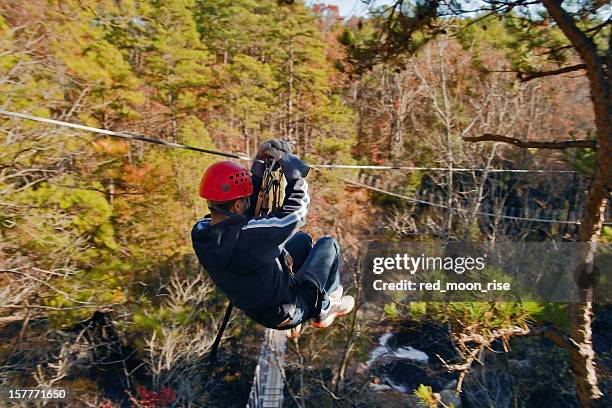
<point x="251" y="278"/>
<point x="241" y="254"/>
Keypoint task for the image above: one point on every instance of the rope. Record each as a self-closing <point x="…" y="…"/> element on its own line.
<point x="212" y="359"/>
<point x="123" y="135"/>
<point x="368" y="167"/>
<point x="418" y="201"/>
<point x="133" y="136"/>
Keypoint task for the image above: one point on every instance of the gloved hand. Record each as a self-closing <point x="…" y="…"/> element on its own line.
<point x="274" y="148"/>
<point x="293" y="167"/>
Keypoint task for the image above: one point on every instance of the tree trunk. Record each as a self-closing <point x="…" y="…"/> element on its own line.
<point x="582" y="354"/>
<point x="397" y="143"/>
<point x="289" y="128"/>
<point x="448" y="126"/>
<point x="173" y="118"/>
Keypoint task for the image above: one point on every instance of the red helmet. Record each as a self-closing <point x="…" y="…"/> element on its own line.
<point x="225" y="181"/>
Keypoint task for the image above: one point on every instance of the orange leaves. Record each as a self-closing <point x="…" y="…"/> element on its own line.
<point x="147" y="178"/>
<point x="135" y="175"/>
<point x="111" y="146"/>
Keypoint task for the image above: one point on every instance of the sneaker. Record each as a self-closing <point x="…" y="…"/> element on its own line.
<point x="337" y="307"/>
<point x="335" y="296"/>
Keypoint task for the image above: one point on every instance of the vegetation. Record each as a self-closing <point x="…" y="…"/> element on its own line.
<point x="99" y="289"/>
<point x="549" y="38"/>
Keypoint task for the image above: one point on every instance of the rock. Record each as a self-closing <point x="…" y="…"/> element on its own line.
<point x="379" y="387"/>
<point x="448" y="397"/>
<point x="411" y="353"/>
<point x="387" y="399"/>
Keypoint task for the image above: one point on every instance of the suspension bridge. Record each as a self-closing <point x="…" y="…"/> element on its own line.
<point x="268" y="384"/>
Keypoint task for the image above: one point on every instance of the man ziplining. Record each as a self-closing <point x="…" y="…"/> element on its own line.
<point x="248" y="257"/>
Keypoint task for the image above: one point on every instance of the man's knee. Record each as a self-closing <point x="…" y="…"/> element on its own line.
<point x="329" y="243"/>
<point x="303" y="238"/>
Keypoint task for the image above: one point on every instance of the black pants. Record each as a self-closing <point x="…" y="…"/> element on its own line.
<point x="316" y="274"/>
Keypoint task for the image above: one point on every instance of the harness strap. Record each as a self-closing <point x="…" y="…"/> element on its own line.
<point x="224" y="211"/>
<point x="260" y="208"/>
<point x="228" y="311"/>
<point x="215" y="346"/>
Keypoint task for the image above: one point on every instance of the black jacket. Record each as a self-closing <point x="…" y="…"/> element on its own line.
<point x="241" y="254"/>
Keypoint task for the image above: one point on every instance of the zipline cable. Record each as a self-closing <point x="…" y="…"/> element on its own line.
<point x="123" y="135"/>
<point x="133" y="136"/>
<point x="366" y="167"/>
<point x="418" y="201"/>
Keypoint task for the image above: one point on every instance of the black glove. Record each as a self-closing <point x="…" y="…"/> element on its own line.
<point x="293" y="167"/>
<point x="273" y="148"/>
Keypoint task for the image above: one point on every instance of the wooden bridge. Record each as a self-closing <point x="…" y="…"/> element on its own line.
<point x="268" y="381"/>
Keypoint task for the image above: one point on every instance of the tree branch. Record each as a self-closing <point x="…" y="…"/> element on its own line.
<point x="561" y="144"/>
<point x="541" y="74"/>
<point x="557" y="337"/>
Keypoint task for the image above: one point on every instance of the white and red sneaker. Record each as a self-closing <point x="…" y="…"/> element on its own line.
<point x="338" y="306"/>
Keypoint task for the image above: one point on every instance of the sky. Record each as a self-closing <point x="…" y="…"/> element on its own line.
<point x="351" y="7"/>
<point x="359" y="8"/>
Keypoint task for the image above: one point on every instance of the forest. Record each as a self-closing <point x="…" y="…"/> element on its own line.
<point x="491" y="121"/>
